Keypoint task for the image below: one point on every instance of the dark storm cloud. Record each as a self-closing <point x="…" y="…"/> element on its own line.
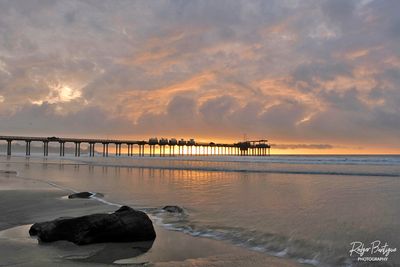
<point x="307" y="71"/>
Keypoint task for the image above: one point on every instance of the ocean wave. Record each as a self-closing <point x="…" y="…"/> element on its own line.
<point x="384" y="166"/>
<point x="250" y="170"/>
<point x="377" y="160"/>
<point x="310" y="252"/>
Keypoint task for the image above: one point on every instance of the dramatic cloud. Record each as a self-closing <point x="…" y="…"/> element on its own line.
<point x="312" y="72"/>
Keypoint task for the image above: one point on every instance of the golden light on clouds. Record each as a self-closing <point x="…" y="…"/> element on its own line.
<point x="59" y="93"/>
<point x="3" y="68"/>
<point x="66" y="93"/>
<point x="300" y="73"/>
<point x="155" y="101"/>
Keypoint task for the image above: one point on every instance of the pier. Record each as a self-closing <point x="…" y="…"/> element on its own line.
<point x="152" y="147"/>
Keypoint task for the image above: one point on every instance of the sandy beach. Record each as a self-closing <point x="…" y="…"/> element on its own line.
<point x="25" y="201"/>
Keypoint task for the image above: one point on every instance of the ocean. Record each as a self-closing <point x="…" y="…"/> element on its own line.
<point x="307" y="208"/>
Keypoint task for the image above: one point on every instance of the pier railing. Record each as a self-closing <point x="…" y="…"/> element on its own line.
<point x="184" y="147"/>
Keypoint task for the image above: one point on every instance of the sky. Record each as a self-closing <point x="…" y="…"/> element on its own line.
<point x="309" y="76"/>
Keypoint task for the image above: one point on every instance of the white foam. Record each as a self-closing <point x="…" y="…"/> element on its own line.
<point x="105" y="201"/>
<point x="309" y="261"/>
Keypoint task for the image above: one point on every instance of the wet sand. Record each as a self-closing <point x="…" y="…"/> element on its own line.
<point x="24" y="201"/>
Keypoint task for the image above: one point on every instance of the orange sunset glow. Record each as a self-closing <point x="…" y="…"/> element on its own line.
<point x="317" y="78"/>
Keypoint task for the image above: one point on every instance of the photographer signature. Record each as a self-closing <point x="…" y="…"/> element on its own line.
<point x="376" y="247"/>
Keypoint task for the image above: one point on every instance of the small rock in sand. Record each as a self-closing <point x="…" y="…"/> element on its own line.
<point x="173" y="209"/>
<point x="81" y="195"/>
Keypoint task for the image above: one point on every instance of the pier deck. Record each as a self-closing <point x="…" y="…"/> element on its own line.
<point x="143" y="147"/>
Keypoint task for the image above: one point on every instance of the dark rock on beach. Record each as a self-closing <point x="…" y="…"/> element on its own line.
<point x="173" y="209"/>
<point x="85" y="195"/>
<point x="124" y="225"/>
<point x="81" y="195"/>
